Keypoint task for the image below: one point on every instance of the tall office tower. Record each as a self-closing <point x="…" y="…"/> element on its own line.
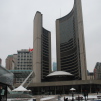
<point x="42" y="50"/>
<point x="70" y="43"/>
<point x="24" y="59"/>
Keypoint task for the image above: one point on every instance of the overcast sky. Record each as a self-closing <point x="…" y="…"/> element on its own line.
<point x="16" y="25"/>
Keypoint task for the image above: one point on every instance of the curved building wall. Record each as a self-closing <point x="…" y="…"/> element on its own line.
<point x="70" y="43"/>
<point x="45" y="53"/>
<point x="42" y="50"/>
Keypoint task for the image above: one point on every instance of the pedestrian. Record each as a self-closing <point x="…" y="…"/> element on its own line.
<point x="0" y="93"/>
<point x="64" y="98"/>
<point x="85" y="94"/>
<point x="97" y="92"/>
<point x="58" y="97"/>
<point x="0" y="97"/>
<point x="78" y="98"/>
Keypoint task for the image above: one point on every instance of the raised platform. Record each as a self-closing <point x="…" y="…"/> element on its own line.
<point x="61" y="83"/>
<point x="63" y="87"/>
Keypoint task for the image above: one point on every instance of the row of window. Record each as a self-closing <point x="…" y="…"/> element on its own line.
<point x="45" y="42"/>
<point x="45" y="37"/>
<point x="24" y="68"/>
<point x="68" y="62"/>
<point x="25" y="62"/>
<point x="24" y="56"/>
<point x="24" y="65"/>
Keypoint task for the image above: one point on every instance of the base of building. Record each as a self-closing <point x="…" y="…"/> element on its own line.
<point x="63" y="87"/>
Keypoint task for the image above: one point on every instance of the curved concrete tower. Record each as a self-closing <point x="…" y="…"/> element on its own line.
<point x="70" y="43"/>
<point x="42" y="50"/>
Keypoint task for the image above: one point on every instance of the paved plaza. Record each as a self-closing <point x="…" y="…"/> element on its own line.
<point x="91" y="97"/>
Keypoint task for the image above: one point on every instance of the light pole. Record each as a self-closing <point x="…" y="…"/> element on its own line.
<point x="72" y="89"/>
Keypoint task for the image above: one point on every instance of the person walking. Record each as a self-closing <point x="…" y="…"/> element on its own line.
<point x="64" y="98"/>
<point x="85" y="94"/>
<point x="0" y="93"/>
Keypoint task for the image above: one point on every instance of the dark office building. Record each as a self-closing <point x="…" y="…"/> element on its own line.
<point x="70" y="43"/>
<point x="45" y="56"/>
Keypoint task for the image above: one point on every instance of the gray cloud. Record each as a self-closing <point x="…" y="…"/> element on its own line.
<point x="16" y="25"/>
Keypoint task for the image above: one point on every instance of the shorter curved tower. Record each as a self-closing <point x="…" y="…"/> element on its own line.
<point x="70" y="43"/>
<point x="42" y="50"/>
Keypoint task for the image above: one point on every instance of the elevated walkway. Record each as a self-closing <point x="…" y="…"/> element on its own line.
<point x="16" y="95"/>
<point x="6" y="77"/>
<point x="20" y="73"/>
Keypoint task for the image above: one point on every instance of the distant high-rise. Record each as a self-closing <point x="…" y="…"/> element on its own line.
<point x="9" y="61"/>
<point x="14" y="61"/>
<point x="54" y="66"/>
<point x="97" y="71"/>
<point x="42" y="50"/>
<point x="70" y="43"/>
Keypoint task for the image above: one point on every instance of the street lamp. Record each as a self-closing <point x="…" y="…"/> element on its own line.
<point x="72" y="89"/>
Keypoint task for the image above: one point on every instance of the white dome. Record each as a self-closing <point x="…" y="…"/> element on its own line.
<point x="59" y="73"/>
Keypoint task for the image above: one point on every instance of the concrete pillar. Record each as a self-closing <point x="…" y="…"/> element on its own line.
<point x="90" y="88"/>
<point x="55" y="90"/>
<point x="81" y="88"/>
<point x="63" y="90"/>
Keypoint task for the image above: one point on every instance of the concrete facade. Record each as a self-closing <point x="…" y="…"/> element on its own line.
<point x="37" y="30"/>
<point x="63" y="87"/>
<point x="60" y="83"/>
<point x="11" y="62"/>
<point x="41" y="43"/>
<point x="70" y="43"/>
<point x="78" y="7"/>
